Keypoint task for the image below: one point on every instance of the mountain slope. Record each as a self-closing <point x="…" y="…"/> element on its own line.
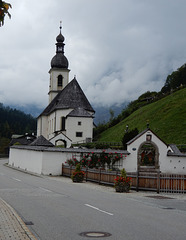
<point x="167" y="118"/>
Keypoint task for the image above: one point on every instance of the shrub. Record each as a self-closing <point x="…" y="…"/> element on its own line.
<point x="78" y="174"/>
<point x="128" y="136"/>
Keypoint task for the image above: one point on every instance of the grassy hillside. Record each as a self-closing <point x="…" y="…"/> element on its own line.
<point x="167" y="118"/>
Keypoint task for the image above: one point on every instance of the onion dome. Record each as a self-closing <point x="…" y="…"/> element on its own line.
<point x="59" y="60"/>
<point x="60" y="38"/>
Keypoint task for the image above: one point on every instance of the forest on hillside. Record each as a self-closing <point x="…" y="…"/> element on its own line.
<point x="14" y="121"/>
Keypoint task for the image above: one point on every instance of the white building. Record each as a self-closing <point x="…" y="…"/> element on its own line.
<point x="145" y="153"/>
<point x="149" y="153"/>
<point x="69" y="116"/>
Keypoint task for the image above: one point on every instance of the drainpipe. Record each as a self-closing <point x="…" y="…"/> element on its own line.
<point x="55" y="123"/>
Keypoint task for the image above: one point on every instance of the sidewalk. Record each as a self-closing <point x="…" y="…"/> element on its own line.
<point x="11" y="225"/>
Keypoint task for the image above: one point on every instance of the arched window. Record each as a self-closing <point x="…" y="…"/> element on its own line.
<point x="60" y="81"/>
<point x="148" y="154"/>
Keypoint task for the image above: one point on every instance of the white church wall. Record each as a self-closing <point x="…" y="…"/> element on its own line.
<point x="54" y="73"/>
<point x="39" y="124"/>
<point x="51" y="124"/>
<point x="27" y="160"/>
<point x="73" y="127"/>
<point x="55" y="121"/>
<point x="59" y="115"/>
<point x="42" y="126"/>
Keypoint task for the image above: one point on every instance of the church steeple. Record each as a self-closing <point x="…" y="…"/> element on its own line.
<point x="60" y="39"/>
<point x="59" y="72"/>
<point x="59" y="60"/>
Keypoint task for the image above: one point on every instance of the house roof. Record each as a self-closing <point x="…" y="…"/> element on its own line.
<point x="22" y="139"/>
<point x="137" y="136"/>
<point x="41" y="141"/>
<point x="79" y="112"/>
<point x="140" y="134"/>
<point x="175" y="151"/>
<point x="72" y="96"/>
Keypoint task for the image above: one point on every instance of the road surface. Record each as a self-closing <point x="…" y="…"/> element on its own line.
<point x="55" y="208"/>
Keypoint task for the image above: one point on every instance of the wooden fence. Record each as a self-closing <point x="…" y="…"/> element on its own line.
<point x="159" y="182"/>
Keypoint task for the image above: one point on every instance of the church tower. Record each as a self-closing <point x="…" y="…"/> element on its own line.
<point x="68" y="118"/>
<point x="59" y="72"/>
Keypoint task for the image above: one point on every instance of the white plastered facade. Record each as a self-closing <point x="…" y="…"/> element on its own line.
<point x="166" y="163"/>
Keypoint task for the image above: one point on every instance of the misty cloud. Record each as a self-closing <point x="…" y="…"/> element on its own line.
<point x="117" y="49"/>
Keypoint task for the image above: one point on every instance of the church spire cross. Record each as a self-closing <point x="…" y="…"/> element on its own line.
<point x="60" y="27"/>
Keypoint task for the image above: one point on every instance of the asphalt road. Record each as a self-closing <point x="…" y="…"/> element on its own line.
<point x="60" y="209"/>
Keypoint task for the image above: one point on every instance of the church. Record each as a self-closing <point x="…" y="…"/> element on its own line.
<point x="68" y="118"/>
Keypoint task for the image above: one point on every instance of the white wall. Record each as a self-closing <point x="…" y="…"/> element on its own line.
<point x="47" y="162"/>
<point x="59" y="115"/>
<point x="54" y="73"/>
<point x="27" y="160"/>
<point x="42" y="126"/>
<point x="130" y="163"/>
<point x="52" y="162"/>
<point x="86" y="128"/>
<point x="173" y="165"/>
<point x="168" y="164"/>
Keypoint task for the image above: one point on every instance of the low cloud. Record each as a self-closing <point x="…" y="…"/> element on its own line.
<point x="117" y="51"/>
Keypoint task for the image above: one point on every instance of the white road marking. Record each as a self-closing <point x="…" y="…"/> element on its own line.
<point x="111" y="214"/>
<point x="44" y="189"/>
<point x="16" y="179"/>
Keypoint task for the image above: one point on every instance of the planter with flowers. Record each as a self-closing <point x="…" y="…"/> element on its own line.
<point x="122" y="183"/>
<point x="78" y="174"/>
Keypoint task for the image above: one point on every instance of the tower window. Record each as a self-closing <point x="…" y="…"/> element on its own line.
<point x="63" y="119"/>
<point x="60" y="81"/>
<point x="79" y="123"/>
<point x="79" y="134"/>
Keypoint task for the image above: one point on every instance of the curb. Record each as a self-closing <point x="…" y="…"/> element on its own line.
<point x="24" y="171"/>
<point x="23" y="225"/>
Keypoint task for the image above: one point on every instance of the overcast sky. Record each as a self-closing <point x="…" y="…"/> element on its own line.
<point x="118" y="49"/>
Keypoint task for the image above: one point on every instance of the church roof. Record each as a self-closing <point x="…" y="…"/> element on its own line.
<point x="41" y="141"/>
<point x="59" y="61"/>
<point x="72" y="96"/>
<point x="79" y="112"/>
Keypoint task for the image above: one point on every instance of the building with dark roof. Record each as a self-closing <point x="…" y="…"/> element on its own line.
<point x="69" y="115"/>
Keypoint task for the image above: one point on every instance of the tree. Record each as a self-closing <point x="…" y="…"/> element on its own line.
<point x="175" y="80"/>
<point x="4" y="7"/>
<point x="128" y="136"/>
<point x="111" y="114"/>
